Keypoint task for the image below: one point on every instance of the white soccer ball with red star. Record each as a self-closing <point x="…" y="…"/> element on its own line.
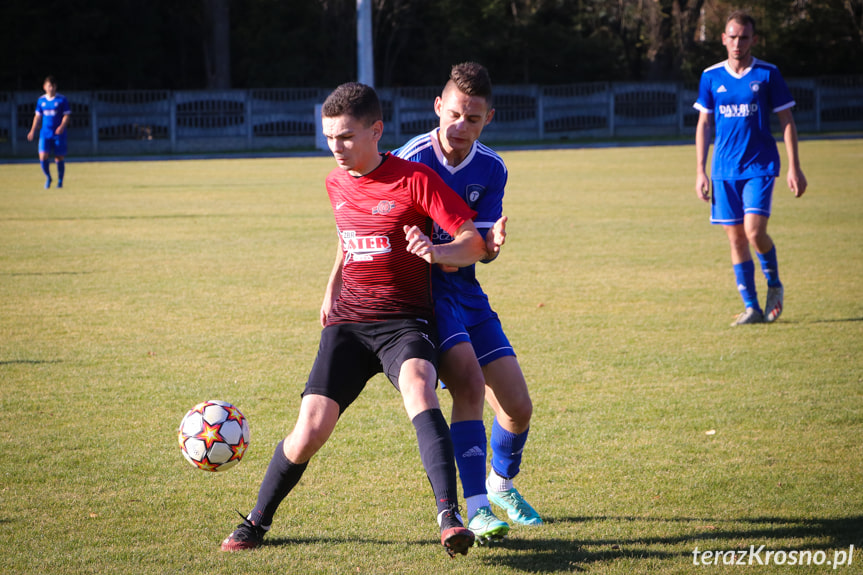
<point x="214" y="435"/>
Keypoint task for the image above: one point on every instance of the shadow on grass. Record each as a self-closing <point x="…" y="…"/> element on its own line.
<point x="544" y="555"/>
<point x="28" y="361"/>
<point x="550" y="555"/>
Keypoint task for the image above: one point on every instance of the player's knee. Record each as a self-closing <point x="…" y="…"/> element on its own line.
<point x="468" y="391"/>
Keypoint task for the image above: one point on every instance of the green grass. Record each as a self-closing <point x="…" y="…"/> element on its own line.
<point x="143" y="288"/>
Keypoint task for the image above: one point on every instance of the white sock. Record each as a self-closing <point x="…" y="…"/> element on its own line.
<point x="474" y="502"/>
<point x="497" y="483"/>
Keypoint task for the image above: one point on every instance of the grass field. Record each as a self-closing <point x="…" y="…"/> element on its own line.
<point x="142" y="288"/>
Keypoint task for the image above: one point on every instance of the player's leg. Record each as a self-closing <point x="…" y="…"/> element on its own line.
<point x="60" y="158"/>
<point x="506" y="392"/>
<point x="728" y="210"/>
<point x="315" y="423"/>
<point x="339" y="373"/>
<point x="409" y="359"/>
<point x="758" y="199"/>
<point x="61" y="169"/>
<point x="44" y="160"/>
<point x="417" y="381"/>
<point x="464" y="380"/>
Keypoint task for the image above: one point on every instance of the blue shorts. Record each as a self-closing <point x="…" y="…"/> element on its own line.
<point x="731" y="199"/>
<point x="54" y="144"/>
<point x="468" y="317"/>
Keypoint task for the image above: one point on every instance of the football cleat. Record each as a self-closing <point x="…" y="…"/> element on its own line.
<point x="47" y="182"/>
<point x="247" y="535"/>
<point x="750" y="315"/>
<point x="453" y="535"/>
<point x="773" y="307"/>
<point x="486" y="527"/>
<point x="515" y="506"/>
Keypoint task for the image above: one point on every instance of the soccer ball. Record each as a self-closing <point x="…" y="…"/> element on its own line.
<point x="214" y="435"/>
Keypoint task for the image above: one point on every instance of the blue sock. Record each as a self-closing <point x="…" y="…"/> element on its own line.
<point x="45" y="167"/>
<point x="770" y="267"/>
<point x="745" y="274"/>
<point x="436" y="453"/>
<point x="281" y="477"/>
<point x="507" y="449"/>
<point x="61" y="171"/>
<point x="470" y="446"/>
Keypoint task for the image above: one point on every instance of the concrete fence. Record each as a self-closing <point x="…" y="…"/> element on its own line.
<point x="164" y="121"/>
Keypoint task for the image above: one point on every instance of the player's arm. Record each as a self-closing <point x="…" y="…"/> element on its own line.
<point x="466" y="248"/>
<point x="63" y="123"/>
<point x="703" y="135"/>
<point x="334" y="285"/>
<point x="796" y="180"/>
<point x="37" y="124"/>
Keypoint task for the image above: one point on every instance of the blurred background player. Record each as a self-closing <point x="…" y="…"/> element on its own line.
<point x="377" y="310"/>
<point x="52" y="114"/>
<point x="736" y="98"/>
<point x="477" y="360"/>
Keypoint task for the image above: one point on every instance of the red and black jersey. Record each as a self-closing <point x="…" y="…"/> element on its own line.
<point x="381" y="280"/>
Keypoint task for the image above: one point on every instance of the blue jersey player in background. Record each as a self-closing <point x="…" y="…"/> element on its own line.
<point x="52" y="114"/>
<point x="477" y="361"/>
<point x="737" y="97"/>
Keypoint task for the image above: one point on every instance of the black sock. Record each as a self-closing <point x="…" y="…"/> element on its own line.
<point x="437" y="456"/>
<point x="281" y="476"/>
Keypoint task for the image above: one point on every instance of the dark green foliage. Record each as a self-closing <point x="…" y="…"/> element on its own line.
<point x="164" y="44"/>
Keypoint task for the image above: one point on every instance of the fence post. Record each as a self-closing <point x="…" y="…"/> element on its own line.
<point x="397" y="115"/>
<point x="13" y="126"/>
<point x="540" y="111"/>
<point x="250" y="125"/>
<point x="609" y="89"/>
<point x="94" y="123"/>
<point x="172" y="123"/>
<point x="817" y="105"/>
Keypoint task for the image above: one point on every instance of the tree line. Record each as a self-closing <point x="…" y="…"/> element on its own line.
<point x="197" y="44"/>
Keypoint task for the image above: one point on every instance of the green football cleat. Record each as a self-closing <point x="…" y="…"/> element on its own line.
<point x="486" y="527"/>
<point x="515" y="506"/>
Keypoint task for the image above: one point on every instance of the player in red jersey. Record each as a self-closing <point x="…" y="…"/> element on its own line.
<point x="377" y="310"/>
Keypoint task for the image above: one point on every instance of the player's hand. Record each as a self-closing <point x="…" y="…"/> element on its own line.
<point x="419" y="244"/>
<point x="796" y="182"/>
<point x="495" y="238"/>
<point x="702" y="187"/>
<point x="59" y="130"/>
<point x="30" y="136"/>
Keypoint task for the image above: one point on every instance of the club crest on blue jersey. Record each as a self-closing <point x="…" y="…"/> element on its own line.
<point x="755" y="86"/>
<point x="384" y="207"/>
<point x="473" y="193"/>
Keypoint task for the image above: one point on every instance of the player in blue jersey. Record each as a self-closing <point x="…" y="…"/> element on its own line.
<point x="736" y="97"/>
<point x="477" y="360"/>
<point x="52" y="114"/>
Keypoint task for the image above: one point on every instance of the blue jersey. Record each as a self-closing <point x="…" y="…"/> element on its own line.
<point x="52" y="112"/>
<point x="479" y="179"/>
<point x="741" y="105"/>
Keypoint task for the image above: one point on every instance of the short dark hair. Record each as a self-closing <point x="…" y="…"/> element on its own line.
<point x="742" y="18"/>
<point x="472" y="79"/>
<point x="356" y="100"/>
<point x="50" y="79"/>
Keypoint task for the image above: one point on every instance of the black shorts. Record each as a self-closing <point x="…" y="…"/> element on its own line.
<point x="351" y="353"/>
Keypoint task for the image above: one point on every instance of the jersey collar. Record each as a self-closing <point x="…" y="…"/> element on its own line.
<point x="441" y="158"/>
<point x="745" y="71"/>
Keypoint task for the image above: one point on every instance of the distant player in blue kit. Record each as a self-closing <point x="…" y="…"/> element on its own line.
<point x="738" y="96"/>
<point x="477" y="360"/>
<point x="52" y="114"/>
